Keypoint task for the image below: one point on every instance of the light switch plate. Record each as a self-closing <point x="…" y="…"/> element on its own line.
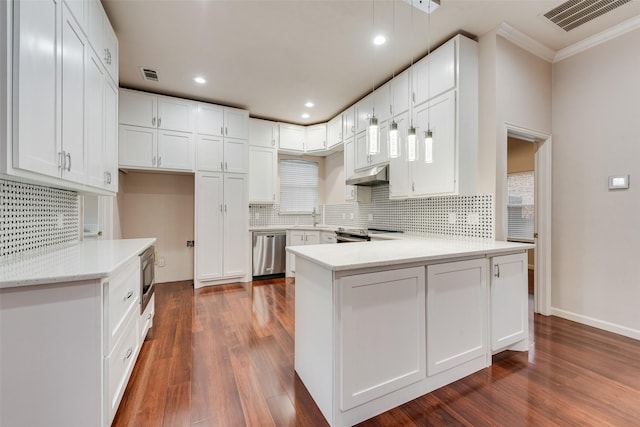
<point x="618" y="182"/>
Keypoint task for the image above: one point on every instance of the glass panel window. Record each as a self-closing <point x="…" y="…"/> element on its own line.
<point x="521" y="206"/>
<point x="298" y="186"/>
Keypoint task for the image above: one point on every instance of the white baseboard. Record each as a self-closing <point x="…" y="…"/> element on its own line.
<point x="597" y="323"/>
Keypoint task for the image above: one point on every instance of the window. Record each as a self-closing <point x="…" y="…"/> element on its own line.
<point x="298" y="186"/>
<point x="520" y="206"/>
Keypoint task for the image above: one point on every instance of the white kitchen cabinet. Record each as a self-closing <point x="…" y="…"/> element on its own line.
<point x="349" y="123"/>
<point x="110" y="150"/>
<point x="299" y="238"/>
<point x="328" y="237"/>
<point x="155" y="111"/>
<point x="399" y="180"/>
<point x="217" y="120"/>
<point x="353" y="193"/>
<point x="219" y="154"/>
<point x="175" y="150"/>
<point x="292" y="138"/>
<point x="221" y="220"/>
<point x="400" y="93"/>
<point x="263" y="133"/>
<point x="509" y="301"/>
<point x="102" y="37"/>
<point x="380" y="351"/>
<point x="436" y="73"/>
<point x="334" y="132"/>
<point x="363" y="110"/>
<point x="263" y="174"/>
<point x="382" y="102"/>
<point x="316" y="138"/>
<point x="456" y="297"/>
<point x="364" y="160"/>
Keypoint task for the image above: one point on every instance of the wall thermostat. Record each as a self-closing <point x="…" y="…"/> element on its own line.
<point x="618" y="182"/>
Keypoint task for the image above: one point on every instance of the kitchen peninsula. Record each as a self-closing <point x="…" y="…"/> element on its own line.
<point x="381" y="323"/>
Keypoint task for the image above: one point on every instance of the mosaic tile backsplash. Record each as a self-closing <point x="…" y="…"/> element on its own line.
<point x="460" y="216"/>
<point x="34" y="217"/>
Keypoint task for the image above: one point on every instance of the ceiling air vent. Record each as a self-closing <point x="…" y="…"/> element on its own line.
<point x="573" y="13"/>
<point x="149" y="74"/>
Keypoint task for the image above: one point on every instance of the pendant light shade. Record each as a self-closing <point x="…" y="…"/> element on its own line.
<point x="428" y="146"/>
<point x="394" y="140"/>
<point x="373" y="136"/>
<point x="411" y="145"/>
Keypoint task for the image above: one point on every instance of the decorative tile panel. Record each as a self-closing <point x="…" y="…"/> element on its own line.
<point x="35" y="217"/>
<point x="269" y="215"/>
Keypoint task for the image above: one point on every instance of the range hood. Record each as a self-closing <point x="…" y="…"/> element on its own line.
<point x="369" y="177"/>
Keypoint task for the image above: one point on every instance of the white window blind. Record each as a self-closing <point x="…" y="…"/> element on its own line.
<point x="298" y="186"/>
<point x="520" y="206"/>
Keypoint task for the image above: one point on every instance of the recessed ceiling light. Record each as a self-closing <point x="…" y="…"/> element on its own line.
<point x="200" y="80"/>
<point x="379" y="39"/>
<point x="309" y="104"/>
<point x="305" y="115"/>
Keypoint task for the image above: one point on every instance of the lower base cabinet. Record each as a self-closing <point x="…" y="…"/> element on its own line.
<point x="509" y="301"/>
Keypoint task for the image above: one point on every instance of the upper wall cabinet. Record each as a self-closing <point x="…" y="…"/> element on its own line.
<point x="316" y="138"/>
<point x="292" y="138"/>
<point x="363" y="110"/>
<point x="334" y="131"/>
<point x="217" y="120"/>
<point x="436" y="73"/>
<point x="400" y="93"/>
<point x="154" y="111"/>
<point x="101" y="35"/>
<point x="263" y="133"/>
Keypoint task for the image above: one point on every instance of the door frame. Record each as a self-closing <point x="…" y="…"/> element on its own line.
<point x="542" y="173"/>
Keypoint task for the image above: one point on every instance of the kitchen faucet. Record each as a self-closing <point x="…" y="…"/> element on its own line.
<point x="314" y="215"/>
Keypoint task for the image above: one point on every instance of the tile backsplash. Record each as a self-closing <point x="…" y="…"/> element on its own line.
<point x="460" y="216"/>
<point x="34" y="217"/>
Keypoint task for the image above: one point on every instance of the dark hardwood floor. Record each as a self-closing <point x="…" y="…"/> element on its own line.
<point x="223" y="356"/>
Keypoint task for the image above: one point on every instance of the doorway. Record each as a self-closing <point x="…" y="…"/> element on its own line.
<point x="535" y="147"/>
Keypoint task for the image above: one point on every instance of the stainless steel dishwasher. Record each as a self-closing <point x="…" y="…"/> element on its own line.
<point x="269" y="257"/>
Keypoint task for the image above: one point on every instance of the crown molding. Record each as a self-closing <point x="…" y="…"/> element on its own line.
<point x="604" y="36"/>
<point x="525" y="42"/>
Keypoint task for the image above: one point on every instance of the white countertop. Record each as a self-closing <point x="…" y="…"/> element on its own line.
<point x="87" y="260"/>
<point x="321" y="227"/>
<point x="350" y="256"/>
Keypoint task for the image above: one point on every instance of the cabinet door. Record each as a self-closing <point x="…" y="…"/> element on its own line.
<point x="311" y="237"/>
<point x="435" y="74"/>
<point x="363" y="110"/>
<point x="399" y="167"/>
<point x="291" y="138"/>
<point x="509" y="301"/>
<point x="110" y="49"/>
<point x="79" y="10"/>
<point x="209" y="226"/>
<point x="383" y="145"/>
<point x="296" y="238"/>
<point x="111" y="135"/>
<point x="236" y="155"/>
<point x="362" y="152"/>
<point x="210" y="154"/>
<point x="136" y="146"/>
<point x="349" y="123"/>
<point x="95" y="25"/>
<point x="353" y="192"/>
<point x="175" y="114"/>
<point x="74" y="53"/>
<point x="137" y="109"/>
<point x="439" y="176"/>
<point x="36" y="140"/>
<point x="400" y="93"/>
<point x="175" y="150"/>
<point x="236" y="123"/>
<point x="456" y="307"/>
<point x="316" y="138"/>
<point x="381" y="334"/>
<point x="263" y="174"/>
<point x="382" y="102"/>
<point x="210" y="120"/>
<point x="334" y="132"/>
<point x="236" y="225"/>
<point x="95" y="116"/>
<point x="262" y="133"/>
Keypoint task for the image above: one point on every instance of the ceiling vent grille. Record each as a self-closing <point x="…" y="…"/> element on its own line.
<point x="149" y="74"/>
<point x="573" y="13"/>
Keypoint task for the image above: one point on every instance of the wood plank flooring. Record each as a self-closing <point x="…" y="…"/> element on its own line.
<point x="223" y="356"/>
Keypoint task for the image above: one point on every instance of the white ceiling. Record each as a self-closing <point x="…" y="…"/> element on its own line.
<point x="271" y="56"/>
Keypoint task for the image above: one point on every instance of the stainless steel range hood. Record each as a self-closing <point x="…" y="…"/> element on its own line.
<point x="374" y="176"/>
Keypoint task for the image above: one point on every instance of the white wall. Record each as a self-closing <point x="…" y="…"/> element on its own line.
<point x="161" y="206"/>
<point x="596" y="100"/>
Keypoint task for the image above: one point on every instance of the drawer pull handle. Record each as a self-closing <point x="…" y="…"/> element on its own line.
<point x="129" y="353"/>
<point x="129" y="295"/>
<point x="497" y="273"/>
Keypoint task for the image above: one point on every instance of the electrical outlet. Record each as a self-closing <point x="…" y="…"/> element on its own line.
<point x="161" y="262"/>
<point x="190" y="243"/>
<point x="473" y="218"/>
<point x="452" y="218"/>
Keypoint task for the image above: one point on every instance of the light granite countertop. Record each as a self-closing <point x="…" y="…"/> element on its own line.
<point x="87" y="260"/>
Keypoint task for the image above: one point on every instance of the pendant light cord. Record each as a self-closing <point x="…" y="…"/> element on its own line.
<point x="411" y="39"/>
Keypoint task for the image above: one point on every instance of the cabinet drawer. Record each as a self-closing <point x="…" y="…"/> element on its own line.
<point x="146" y="320"/>
<point x="329" y="238"/>
<point x="119" y="364"/>
<point x="123" y="298"/>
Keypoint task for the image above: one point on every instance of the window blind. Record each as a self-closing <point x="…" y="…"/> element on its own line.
<point x="521" y="206"/>
<point x="298" y="186"/>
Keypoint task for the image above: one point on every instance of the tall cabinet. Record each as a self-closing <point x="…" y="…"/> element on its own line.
<point x="222" y="195"/>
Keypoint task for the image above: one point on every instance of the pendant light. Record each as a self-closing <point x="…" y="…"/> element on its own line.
<point x="373" y="136"/>
<point x="394" y="138"/>
<point x="428" y="135"/>
<point x="412" y="150"/>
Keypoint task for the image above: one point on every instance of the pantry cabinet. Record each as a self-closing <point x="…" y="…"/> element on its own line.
<point x="221" y="221"/>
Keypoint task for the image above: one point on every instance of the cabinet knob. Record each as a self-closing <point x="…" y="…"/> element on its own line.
<point x="149" y="316"/>
<point x="226" y="167"/>
<point x="128" y="295"/>
<point x="159" y="160"/>
<point x="221" y="166"/>
<point x="159" y="121"/>
<point x="153" y="161"/>
<point x="153" y="121"/>
<point x="129" y="353"/>
<point x="221" y="208"/>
